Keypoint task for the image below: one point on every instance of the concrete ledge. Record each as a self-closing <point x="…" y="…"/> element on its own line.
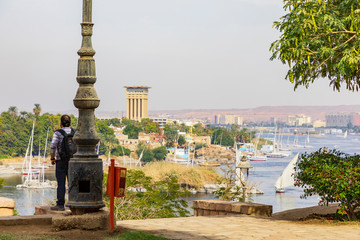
<point x="44" y="210"/>
<point x="220" y="207"/>
<point x="90" y="221"/>
<point x="26" y="220"/>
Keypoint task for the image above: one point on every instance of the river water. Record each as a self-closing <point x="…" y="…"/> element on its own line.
<point x="263" y="175"/>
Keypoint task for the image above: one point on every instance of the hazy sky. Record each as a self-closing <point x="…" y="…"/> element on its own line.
<point x="194" y="54"/>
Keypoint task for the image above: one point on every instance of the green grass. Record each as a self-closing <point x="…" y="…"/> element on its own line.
<point x="136" y="236"/>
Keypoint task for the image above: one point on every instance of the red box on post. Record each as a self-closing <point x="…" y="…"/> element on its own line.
<point x="118" y="182"/>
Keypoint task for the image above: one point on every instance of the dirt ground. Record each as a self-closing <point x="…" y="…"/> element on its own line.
<point x="302" y="215"/>
<point x="47" y="230"/>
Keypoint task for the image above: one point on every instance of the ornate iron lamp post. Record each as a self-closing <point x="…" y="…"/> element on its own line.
<point x="86" y="169"/>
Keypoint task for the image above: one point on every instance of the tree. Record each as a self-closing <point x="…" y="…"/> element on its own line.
<point x="160" y="153"/>
<point x="23" y="114"/>
<point x="37" y="109"/>
<point x="334" y="176"/>
<point x="120" y="151"/>
<point x="151" y="128"/>
<point x="106" y="134"/>
<point x="320" y="39"/>
<point x="171" y="133"/>
<point x="181" y="140"/>
<point x="132" y="131"/>
<point x="13" y="111"/>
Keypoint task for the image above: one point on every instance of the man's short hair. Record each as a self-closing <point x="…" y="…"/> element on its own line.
<point x="65" y="120"/>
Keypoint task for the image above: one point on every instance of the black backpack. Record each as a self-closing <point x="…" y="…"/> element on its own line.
<point x="67" y="147"/>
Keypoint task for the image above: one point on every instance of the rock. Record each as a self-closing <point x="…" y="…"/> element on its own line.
<point x="7" y="203"/>
<point x="211" y="187"/>
<point x="254" y="191"/>
<point x="4" y="212"/>
<point x="7" y="206"/>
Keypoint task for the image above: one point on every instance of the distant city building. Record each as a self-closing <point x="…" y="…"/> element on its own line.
<point x="273" y="120"/>
<point x="229" y="119"/>
<point x="162" y="121"/>
<point x="342" y="119"/>
<point x="319" y="123"/>
<point x="298" y="120"/>
<point x="217" y="119"/>
<point x="137" y="102"/>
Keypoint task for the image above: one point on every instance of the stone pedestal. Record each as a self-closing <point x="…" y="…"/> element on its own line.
<point x="90" y="221"/>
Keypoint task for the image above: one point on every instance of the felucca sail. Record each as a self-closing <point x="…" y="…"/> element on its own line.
<point x="286" y="178"/>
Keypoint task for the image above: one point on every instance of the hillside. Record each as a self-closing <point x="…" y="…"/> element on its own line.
<point x="261" y="113"/>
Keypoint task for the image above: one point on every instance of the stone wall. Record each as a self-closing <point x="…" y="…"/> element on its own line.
<point x="220" y="207"/>
<point x="7" y="207"/>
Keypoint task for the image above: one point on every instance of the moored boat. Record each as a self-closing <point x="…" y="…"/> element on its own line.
<point x="286" y="178"/>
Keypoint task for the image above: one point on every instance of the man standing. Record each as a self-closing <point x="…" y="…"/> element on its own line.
<point x="61" y="171"/>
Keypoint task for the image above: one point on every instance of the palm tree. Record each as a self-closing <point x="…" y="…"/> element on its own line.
<point x="13" y="111"/>
<point x="37" y="109"/>
<point x="23" y="114"/>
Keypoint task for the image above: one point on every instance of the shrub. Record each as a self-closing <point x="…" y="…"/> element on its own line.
<point x="156" y="199"/>
<point x="334" y="176"/>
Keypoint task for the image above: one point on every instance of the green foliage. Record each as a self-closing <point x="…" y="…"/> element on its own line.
<point x="171" y="133"/>
<point x="181" y="140"/>
<point x="157" y="199"/>
<point x="136" y="235"/>
<point x="37" y="109"/>
<point x="132" y="131"/>
<point x="160" y="153"/>
<point x="148" y="154"/>
<point x="229" y="190"/>
<point x="223" y="137"/>
<point x="107" y="136"/>
<point x="334" y="176"/>
<point x="226" y="137"/>
<point x="2" y="183"/>
<point x="199" y="130"/>
<point x="15" y="131"/>
<point x="120" y="151"/>
<point x="199" y="145"/>
<point x="320" y="39"/>
<point x="151" y="128"/>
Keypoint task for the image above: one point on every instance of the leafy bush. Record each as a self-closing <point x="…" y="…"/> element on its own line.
<point x="334" y="176"/>
<point x="154" y="199"/>
<point x="2" y="182"/>
<point x="160" y="153"/>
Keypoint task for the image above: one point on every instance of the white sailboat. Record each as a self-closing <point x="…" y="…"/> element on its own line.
<point x="29" y="179"/>
<point x="286" y="178"/>
<point x="256" y="156"/>
<point x="27" y="165"/>
<point x="40" y="164"/>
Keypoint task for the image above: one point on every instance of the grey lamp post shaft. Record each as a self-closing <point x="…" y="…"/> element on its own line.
<point x="85" y="168"/>
<point x="86" y="99"/>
